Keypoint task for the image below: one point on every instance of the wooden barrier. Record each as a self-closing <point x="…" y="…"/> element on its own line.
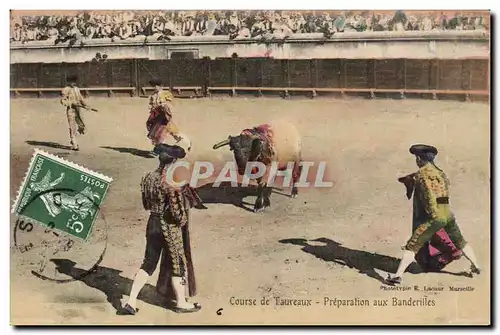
<point x="176" y="89"/>
<point x="463" y="77"/>
<point x="400" y="76"/>
<point x="85" y="90"/>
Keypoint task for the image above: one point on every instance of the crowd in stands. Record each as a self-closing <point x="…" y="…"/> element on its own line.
<point x="154" y="26"/>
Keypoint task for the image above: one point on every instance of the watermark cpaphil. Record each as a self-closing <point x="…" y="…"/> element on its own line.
<point x="62" y="201"/>
<point x="197" y="172"/>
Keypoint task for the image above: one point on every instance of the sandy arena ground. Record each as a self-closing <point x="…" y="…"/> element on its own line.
<point x="359" y="224"/>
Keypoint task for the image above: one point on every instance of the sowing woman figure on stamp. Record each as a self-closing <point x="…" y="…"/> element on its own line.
<point x="81" y="203"/>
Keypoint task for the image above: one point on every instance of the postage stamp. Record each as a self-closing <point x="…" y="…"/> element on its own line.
<point x="61" y="195"/>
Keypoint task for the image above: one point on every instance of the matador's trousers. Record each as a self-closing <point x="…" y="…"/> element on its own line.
<point x="426" y="230"/>
<point x="75" y="124"/>
<point x="163" y="234"/>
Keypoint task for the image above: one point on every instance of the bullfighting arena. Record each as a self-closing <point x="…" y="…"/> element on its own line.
<point x="336" y="242"/>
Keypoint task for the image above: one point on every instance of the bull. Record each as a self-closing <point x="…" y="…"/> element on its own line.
<point x="160" y="124"/>
<point x="267" y="143"/>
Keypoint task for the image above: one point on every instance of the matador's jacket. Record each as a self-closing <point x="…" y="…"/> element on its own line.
<point x="430" y="184"/>
<point x="159" y="123"/>
<point x="71" y="98"/>
<point x="431" y="211"/>
<point x="173" y="206"/>
<point x="161" y="198"/>
<point x="159" y="98"/>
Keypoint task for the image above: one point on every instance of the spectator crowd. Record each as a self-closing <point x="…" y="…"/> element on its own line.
<point x="155" y="26"/>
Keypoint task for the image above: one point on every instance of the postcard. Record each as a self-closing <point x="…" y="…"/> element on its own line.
<point x="257" y="167"/>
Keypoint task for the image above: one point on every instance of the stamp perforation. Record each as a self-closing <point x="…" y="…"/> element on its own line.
<point x="79" y="170"/>
<point x="19" y="191"/>
<point x="56" y="159"/>
<point x="74" y="165"/>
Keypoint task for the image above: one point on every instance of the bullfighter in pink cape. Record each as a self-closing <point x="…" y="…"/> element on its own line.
<point x="440" y="250"/>
<point x="436" y="240"/>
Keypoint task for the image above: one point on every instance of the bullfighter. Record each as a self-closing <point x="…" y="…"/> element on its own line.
<point x="73" y="100"/>
<point x="160" y="121"/>
<point x="167" y="230"/>
<point x="431" y="212"/>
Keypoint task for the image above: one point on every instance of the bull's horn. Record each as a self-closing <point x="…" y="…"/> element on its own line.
<point x="221" y="144"/>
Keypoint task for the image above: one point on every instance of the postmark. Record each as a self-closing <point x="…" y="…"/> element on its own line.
<point x="59" y="219"/>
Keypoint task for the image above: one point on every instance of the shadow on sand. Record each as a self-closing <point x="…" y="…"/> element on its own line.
<point x="109" y="281"/>
<point x="226" y="194"/>
<point x="49" y="145"/>
<point x="363" y="261"/>
<point x="132" y="151"/>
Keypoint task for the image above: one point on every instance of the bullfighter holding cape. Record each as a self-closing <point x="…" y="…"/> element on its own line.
<point x="72" y="99"/>
<point x="160" y="121"/>
<point x="436" y="240"/>
<point x="167" y="232"/>
<point x="440" y="250"/>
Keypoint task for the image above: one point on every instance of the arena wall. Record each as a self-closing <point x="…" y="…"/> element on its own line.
<point x="262" y="74"/>
<point x="462" y="67"/>
<point x="355" y="45"/>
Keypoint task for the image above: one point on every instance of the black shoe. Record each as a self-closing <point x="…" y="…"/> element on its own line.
<point x="475" y="270"/>
<point x="200" y="206"/>
<point x="127" y="309"/>
<point x="196" y="308"/>
<point x="75" y="149"/>
<point x="393" y="280"/>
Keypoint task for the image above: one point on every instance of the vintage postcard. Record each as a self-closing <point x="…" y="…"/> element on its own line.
<point x="250" y="167"/>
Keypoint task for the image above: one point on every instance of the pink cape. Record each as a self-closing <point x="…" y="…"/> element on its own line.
<point x="438" y="252"/>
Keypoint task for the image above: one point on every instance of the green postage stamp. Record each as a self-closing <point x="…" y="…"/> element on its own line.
<point x="61" y="195"/>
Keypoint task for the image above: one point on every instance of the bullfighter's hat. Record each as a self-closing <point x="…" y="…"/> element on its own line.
<point x="422" y="149"/>
<point x="167" y="152"/>
<point x="155" y="81"/>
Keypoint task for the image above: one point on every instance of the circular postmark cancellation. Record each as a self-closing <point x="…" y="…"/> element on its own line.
<point x="60" y="230"/>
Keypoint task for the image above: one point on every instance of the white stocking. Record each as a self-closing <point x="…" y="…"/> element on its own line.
<point x="408" y="258"/>
<point x="469" y="253"/>
<point x="140" y="280"/>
